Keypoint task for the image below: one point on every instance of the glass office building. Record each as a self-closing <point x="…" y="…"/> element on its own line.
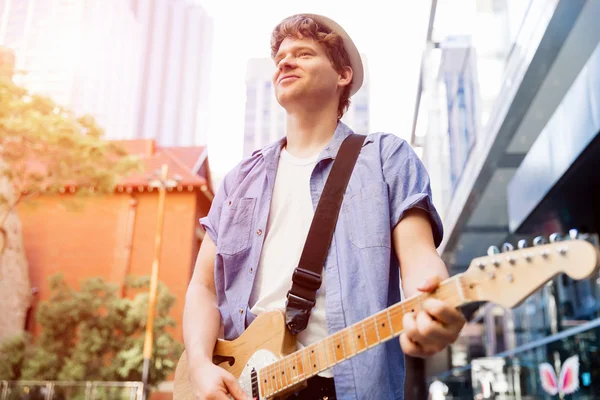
<point x="508" y="116"/>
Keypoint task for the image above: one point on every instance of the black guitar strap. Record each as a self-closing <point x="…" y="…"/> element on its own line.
<point x="307" y="276"/>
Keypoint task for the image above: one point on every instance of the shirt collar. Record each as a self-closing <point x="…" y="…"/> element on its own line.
<point x="272" y="151"/>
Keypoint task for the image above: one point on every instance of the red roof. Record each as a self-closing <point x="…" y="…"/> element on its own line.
<point x="188" y="155"/>
<point x="180" y="162"/>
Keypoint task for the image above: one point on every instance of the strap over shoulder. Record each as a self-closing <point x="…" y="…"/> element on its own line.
<point x="306" y="279"/>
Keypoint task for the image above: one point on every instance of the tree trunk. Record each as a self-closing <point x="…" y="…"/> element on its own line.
<point x="15" y="288"/>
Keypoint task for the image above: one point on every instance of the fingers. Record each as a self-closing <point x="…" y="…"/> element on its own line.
<point x="412" y="342"/>
<point x="443" y="313"/>
<point x="430" y="284"/>
<point x="435" y="335"/>
<point x="411" y="348"/>
<point x="233" y="387"/>
<point x="424" y="336"/>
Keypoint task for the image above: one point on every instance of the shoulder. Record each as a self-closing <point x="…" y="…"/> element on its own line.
<point x="248" y="164"/>
<point x="388" y="145"/>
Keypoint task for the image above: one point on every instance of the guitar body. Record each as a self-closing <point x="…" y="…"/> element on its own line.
<point x="265" y="341"/>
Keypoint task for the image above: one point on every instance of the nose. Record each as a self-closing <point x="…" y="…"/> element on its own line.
<point x="285" y="63"/>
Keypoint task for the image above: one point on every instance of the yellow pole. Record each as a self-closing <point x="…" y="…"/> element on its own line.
<point x="148" y="340"/>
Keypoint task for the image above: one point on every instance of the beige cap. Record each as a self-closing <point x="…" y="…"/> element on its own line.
<point x="349" y="46"/>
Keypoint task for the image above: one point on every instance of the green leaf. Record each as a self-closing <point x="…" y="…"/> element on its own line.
<point x="94" y="334"/>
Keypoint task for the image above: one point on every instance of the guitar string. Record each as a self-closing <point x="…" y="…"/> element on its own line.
<point x="393" y="311"/>
<point x="444" y="293"/>
<point x="371" y="322"/>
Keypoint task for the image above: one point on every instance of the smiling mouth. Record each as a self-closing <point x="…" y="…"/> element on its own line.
<point x="287" y="78"/>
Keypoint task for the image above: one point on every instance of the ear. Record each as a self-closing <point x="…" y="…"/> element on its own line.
<point x="345" y="76"/>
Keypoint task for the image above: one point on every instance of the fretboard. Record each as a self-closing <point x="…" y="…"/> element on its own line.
<point x="355" y="339"/>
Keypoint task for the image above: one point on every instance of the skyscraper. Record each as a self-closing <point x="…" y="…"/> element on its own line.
<point x="176" y="38"/>
<point x="139" y="67"/>
<point x="265" y="118"/>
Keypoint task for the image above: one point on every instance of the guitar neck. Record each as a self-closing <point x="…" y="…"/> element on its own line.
<point x="355" y="339"/>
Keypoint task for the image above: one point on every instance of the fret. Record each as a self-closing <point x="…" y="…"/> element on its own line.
<point x="387" y="311"/>
<point x="295" y="366"/>
<point x="383" y="325"/>
<point x="343" y="345"/>
<point x="374" y="320"/>
<point x="321" y="356"/>
<point x="265" y="381"/>
<point x="335" y="359"/>
<point x="289" y="369"/>
<point x="359" y="335"/>
<point x="313" y="359"/>
<point x="351" y="332"/>
<point x="364" y="333"/>
<point x="420" y="302"/>
<point x="325" y="354"/>
<point x="371" y="333"/>
<point x="410" y="304"/>
<point x="301" y="366"/>
<point x="318" y="357"/>
<point x="285" y="377"/>
<point x="272" y="379"/>
<point x="305" y="354"/>
<point x="279" y="377"/>
<point x="339" y="351"/>
<point x="398" y="314"/>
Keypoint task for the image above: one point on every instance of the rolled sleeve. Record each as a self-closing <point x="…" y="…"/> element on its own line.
<point x="409" y="185"/>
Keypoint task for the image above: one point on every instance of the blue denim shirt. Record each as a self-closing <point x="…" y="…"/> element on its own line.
<point x="362" y="271"/>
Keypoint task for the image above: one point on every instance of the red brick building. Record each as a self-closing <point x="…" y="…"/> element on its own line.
<point x="113" y="235"/>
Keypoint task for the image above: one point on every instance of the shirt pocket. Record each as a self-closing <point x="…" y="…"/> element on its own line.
<point x="236" y="225"/>
<point x="366" y="215"/>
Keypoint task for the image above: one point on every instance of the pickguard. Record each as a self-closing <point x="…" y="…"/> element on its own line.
<point x="249" y="380"/>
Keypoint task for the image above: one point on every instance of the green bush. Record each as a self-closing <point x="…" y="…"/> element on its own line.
<point x="94" y="334"/>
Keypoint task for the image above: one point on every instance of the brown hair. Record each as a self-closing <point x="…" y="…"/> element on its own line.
<point x="304" y="26"/>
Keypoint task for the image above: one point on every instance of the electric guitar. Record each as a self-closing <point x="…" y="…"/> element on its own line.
<point x="267" y="364"/>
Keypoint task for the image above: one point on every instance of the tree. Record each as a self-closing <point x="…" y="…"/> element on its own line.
<point x="94" y="334"/>
<point x="46" y="149"/>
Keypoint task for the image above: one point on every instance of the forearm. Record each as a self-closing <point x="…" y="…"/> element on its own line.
<point x="201" y="323"/>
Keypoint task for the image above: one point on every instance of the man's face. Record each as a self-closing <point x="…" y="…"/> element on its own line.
<point x="304" y="73"/>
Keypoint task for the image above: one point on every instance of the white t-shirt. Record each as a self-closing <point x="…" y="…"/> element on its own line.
<point x="287" y="227"/>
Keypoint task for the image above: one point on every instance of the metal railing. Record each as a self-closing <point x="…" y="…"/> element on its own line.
<point x="70" y="390"/>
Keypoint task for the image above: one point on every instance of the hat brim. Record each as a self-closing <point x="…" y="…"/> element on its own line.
<point x="353" y="54"/>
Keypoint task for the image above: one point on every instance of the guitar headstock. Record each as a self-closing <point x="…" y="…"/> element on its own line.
<point x="508" y="277"/>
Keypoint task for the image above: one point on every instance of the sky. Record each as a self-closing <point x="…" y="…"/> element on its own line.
<point x="391" y="34"/>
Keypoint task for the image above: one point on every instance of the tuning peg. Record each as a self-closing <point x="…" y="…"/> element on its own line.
<point x="573" y="234"/>
<point x="555" y="237"/>
<point x="493" y="250"/>
<point x="539" y="240"/>
<point x="506" y="247"/>
<point x="522" y="244"/>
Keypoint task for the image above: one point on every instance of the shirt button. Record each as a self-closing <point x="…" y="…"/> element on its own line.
<point x="229" y="203"/>
<point x="251" y="269"/>
<point x="259" y="232"/>
<point x="241" y="310"/>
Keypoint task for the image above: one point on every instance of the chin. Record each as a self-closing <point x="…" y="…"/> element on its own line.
<point x="286" y="97"/>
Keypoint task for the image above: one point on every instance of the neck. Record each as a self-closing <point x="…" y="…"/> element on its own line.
<point x="355" y="339"/>
<point x="309" y="131"/>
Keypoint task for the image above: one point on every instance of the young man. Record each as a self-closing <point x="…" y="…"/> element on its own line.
<point x="387" y="231"/>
